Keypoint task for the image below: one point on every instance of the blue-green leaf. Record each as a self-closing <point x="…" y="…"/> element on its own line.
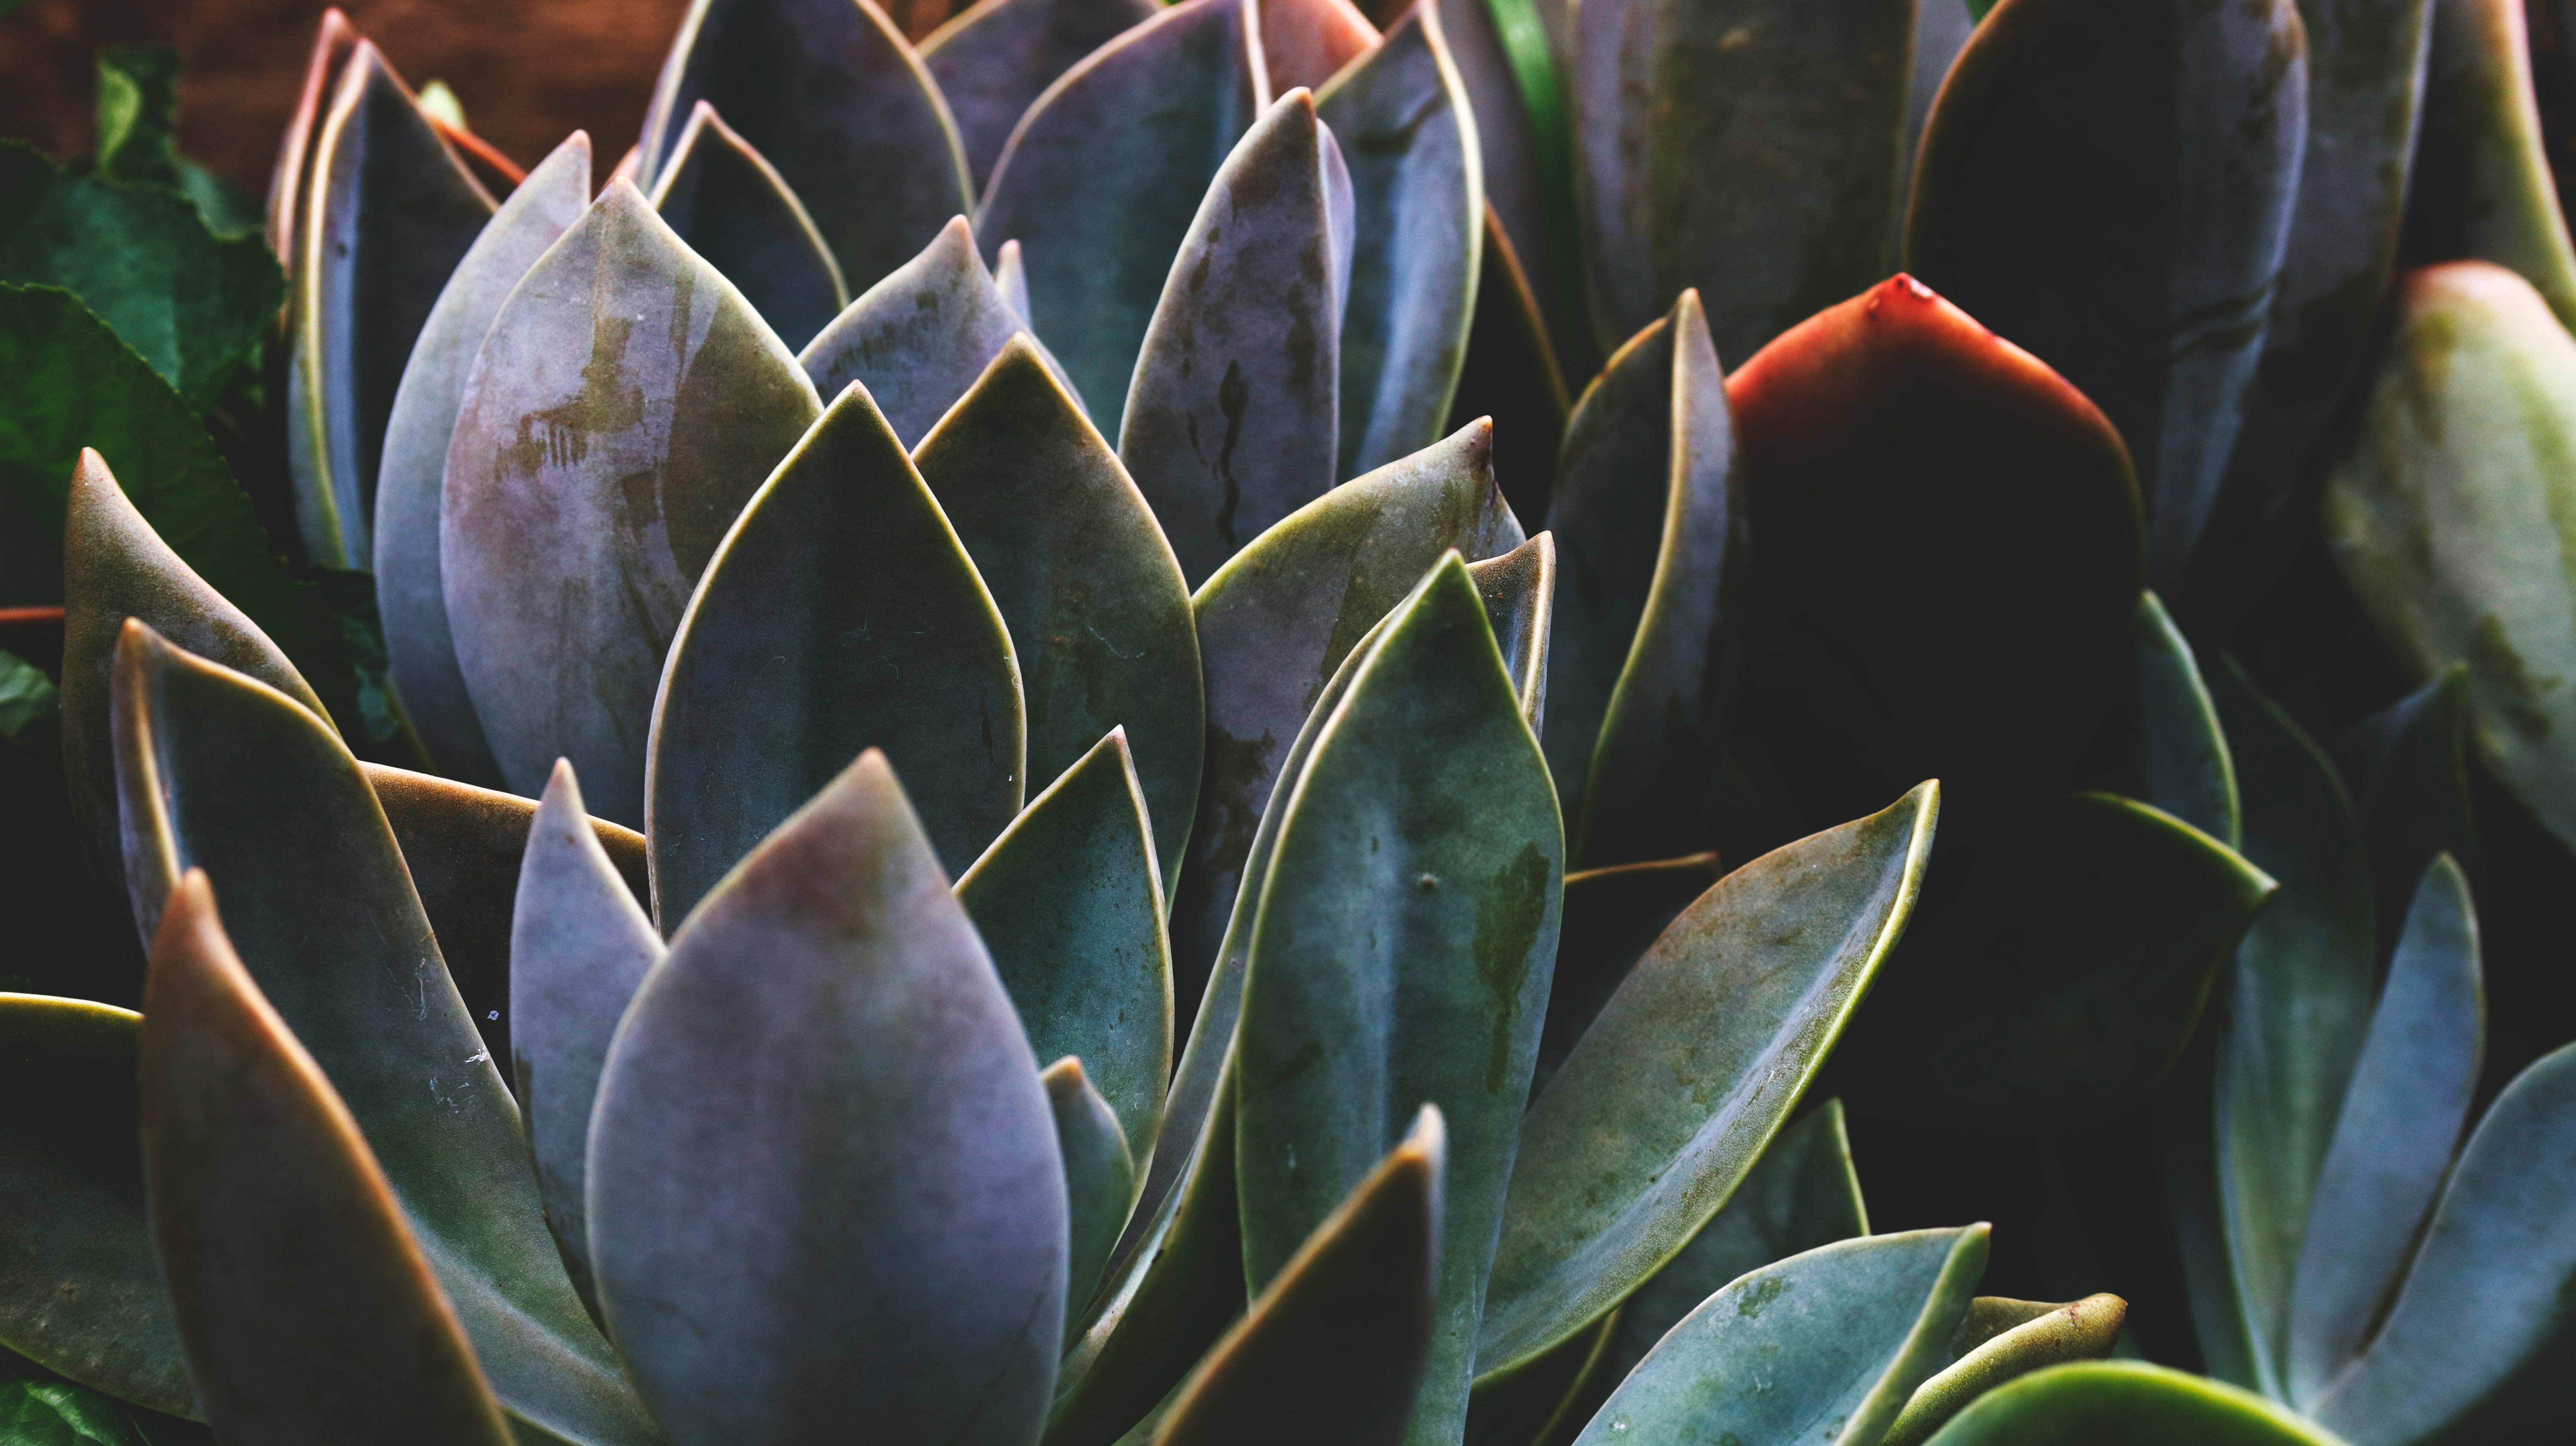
<point x="2188" y="770"/>
<point x="1099" y="1177"/>
<point x="2409" y="767"/>
<point x="733" y="208"/>
<point x="2125" y="1403"/>
<point x="994" y="59"/>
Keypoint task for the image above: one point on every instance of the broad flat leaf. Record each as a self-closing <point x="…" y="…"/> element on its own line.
<point x="2485" y="189"/>
<point x="2409" y="769"/>
<point x="1099" y="617"/>
<point x="890" y="1079"/>
<point x="790" y="661"/>
<point x="1612" y="916"/>
<point x="2079" y="1330"/>
<point x="1334" y="1349"/>
<point x="1069" y="901"/>
<point x="1308" y="42"/>
<point x="2298" y="1009"/>
<point x="220" y="773"/>
<point x="1670" y="1097"/>
<point x="992" y="60"/>
<point x="1519" y="589"/>
<point x="626" y="404"/>
<point x="138" y="121"/>
<point x="411" y="596"/>
<point x="2187" y="769"/>
<point x="2400" y="1122"/>
<point x="2125" y="1403"/>
<point x="1099" y="1177"/>
<point x="2453" y="517"/>
<point x="388" y="213"/>
<point x="1229" y="424"/>
<point x="306" y="1306"/>
<point x="2026" y="196"/>
<point x="1648" y="512"/>
<point x="1401" y="954"/>
<point x="734" y="209"/>
<point x="80" y="1292"/>
<point x="2477" y="1341"/>
<point x="581" y="944"/>
<point x="837" y="100"/>
<point x="1106" y="171"/>
<point x="140" y="256"/>
<point x="1418" y="196"/>
<point x="1841" y="1335"/>
<point x="291" y="177"/>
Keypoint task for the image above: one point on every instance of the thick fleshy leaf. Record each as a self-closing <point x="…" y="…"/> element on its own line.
<point x="1401" y="954"/>
<point x="627" y="403"/>
<point x="1418" y="198"/>
<point x="1612" y="916"/>
<point x="1229" y="424"/>
<point x="889" y="1077"/>
<point x="1099" y="1177"/>
<point x="2026" y="195"/>
<point x="2086" y="1329"/>
<point x="1611" y="90"/>
<point x="1334" y="1349"/>
<point x="221" y="773"/>
<point x="306" y="1306"/>
<point x="2478" y="1339"/>
<point x="1099" y="617"/>
<point x="1649" y="512"/>
<point x="2409" y="769"/>
<point x="411" y="596"/>
<point x="1011" y="278"/>
<point x="2452" y="518"/>
<point x="1519" y="589"/>
<point x="734" y="209"/>
<point x="2483" y="184"/>
<point x="388" y="213"/>
<point x="1842" y="1335"/>
<point x="1106" y="171"/>
<point x="2125" y="1403"/>
<point x="581" y="945"/>
<point x="2400" y="1121"/>
<point x="1070" y="903"/>
<point x="289" y="179"/>
<point x="1308" y="42"/>
<point x="837" y="100"/>
<point x="1940" y="30"/>
<point x="2186" y="767"/>
<point x="992" y="61"/>
<point x="80" y="1292"/>
<point x="1670" y="1097"/>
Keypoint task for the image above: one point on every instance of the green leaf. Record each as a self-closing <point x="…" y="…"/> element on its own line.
<point x="1070" y="904"/>
<point x="626" y="405"/>
<point x="1670" y="1097"/>
<point x="1519" y="589"/>
<point x="928" y="1301"/>
<point x="221" y="773"/>
<point x="1099" y="1177"/>
<point x="2409" y="769"/>
<point x="1977" y="9"/>
<point x="2125" y="1403"/>
<point x="1334" y="1350"/>
<point x="2484" y="187"/>
<point x="28" y="699"/>
<point x="193" y="305"/>
<point x="1549" y="1397"/>
<point x="2453" y="517"/>
<point x="1992" y="1352"/>
<point x="388" y="214"/>
<point x="1649" y="512"/>
<point x="2026" y="196"/>
<point x="1834" y="1340"/>
<point x="734" y="209"/>
<point x="834" y="96"/>
<point x="2298" y="1009"/>
<point x="2400" y="1121"/>
<point x="1099" y="617"/>
<point x="1418" y="195"/>
<point x="410" y="587"/>
<point x="54" y="1413"/>
<point x="1612" y="915"/>
<point x="993" y="60"/>
<point x="308" y="1309"/>
<point x="1103" y="175"/>
<point x="2478" y="1339"/>
<point x="790" y="661"/>
<point x="138" y="113"/>
<point x="80" y="1291"/>
<point x="2189" y="772"/>
<point x="1229" y="423"/>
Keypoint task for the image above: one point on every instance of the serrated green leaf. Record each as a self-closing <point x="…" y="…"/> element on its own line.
<point x="2188" y="771"/>
<point x="138" y="111"/>
<point x="1099" y="1177"/>
<point x="2023" y="1337"/>
<point x="733" y="208"/>
<point x="994" y="59"/>
<point x="2125" y="1403"/>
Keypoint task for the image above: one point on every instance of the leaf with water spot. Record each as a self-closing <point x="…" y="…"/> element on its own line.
<point x="992" y="60"/>
<point x="730" y="204"/>
<point x="2125" y="1403"/>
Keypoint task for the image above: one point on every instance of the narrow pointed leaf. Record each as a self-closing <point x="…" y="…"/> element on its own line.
<point x="733" y="208"/>
<point x="1229" y="426"/>
<point x="1843" y="1334"/>
<point x="1098" y="613"/>
<point x="992" y="60"/>
<point x="1105" y="172"/>
<point x="288" y="180"/>
<point x="307" y="1308"/>
<point x="1667" y="1101"/>
<point x="891" y="1079"/>
<point x="2125" y="1403"/>
<point x="2409" y="769"/>
<point x="1519" y="589"/>
<point x="837" y="100"/>
<point x="389" y="214"/>
<point x="626" y="404"/>
<point x="2486" y="190"/>
<point x="2188" y="770"/>
<point x="1099" y="1177"/>
<point x="1308" y="42"/>
<point x="1011" y="278"/>
<point x="2080" y="1330"/>
<point x="411" y="596"/>
<point x="1612" y="916"/>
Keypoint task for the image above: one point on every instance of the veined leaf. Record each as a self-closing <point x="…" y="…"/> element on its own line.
<point x="992" y="60"/>
<point x="733" y="208"/>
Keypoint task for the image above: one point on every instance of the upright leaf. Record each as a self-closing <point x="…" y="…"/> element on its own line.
<point x="733" y="208"/>
<point x="1099" y="1178"/>
<point x="992" y="60"/>
<point x="887" y="1076"/>
<point x="1519" y="589"/>
<point x="1524" y="148"/>
<point x="2187" y="769"/>
<point x="290" y="179"/>
<point x="2485" y="189"/>
<point x="2409" y="769"/>
<point x="2125" y="1403"/>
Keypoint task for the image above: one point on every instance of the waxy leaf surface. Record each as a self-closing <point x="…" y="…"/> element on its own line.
<point x="1519" y="589"/>
<point x="734" y="209"/>
<point x="2184" y="760"/>
<point x="1099" y="1178"/>
<point x="994" y="59"/>
<point x="1612" y="916"/>
<point x="920" y="337"/>
<point x="1991" y="1352"/>
<point x="2125" y="1403"/>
